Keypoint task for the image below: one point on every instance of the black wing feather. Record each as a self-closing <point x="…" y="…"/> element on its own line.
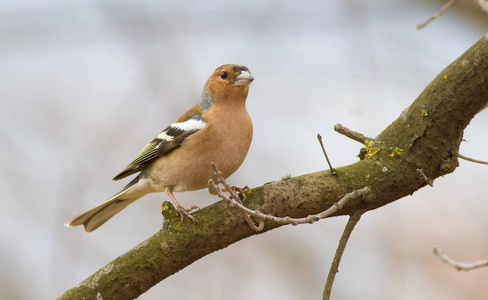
<point x="156" y="149"/>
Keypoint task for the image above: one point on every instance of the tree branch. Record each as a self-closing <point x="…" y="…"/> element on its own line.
<point x="472" y="159"/>
<point x="332" y="171"/>
<point x="425" y="178"/>
<point x="310" y="219"/>
<point x="358" y="137"/>
<point x="429" y="133"/>
<point x="459" y="266"/>
<point x="437" y="14"/>
<point x="334" y="268"/>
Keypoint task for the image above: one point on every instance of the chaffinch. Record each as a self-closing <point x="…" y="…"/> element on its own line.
<point x="217" y="129"/>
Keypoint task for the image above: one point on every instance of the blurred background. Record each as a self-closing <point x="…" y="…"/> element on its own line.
<point x="84" y="85"/>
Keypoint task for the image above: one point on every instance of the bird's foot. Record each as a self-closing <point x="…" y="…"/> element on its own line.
<point x="186" y="212"/>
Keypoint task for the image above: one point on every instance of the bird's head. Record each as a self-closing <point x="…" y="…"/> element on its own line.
<point x="228" y="83"/>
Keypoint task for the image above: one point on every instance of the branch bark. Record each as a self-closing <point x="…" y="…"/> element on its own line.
<point x="428" y="134"/>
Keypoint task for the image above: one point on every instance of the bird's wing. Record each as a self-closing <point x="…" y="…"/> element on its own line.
<point x="169" y="139"/>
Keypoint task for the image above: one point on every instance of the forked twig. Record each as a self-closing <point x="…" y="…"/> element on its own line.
<point x="234" y="198"/>
<point x="235" y="201"/>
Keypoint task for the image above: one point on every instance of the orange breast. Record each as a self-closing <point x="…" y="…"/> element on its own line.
<point x="225" y="141"/>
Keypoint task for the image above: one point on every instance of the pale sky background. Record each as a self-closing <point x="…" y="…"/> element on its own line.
<point x="85" y="85"/>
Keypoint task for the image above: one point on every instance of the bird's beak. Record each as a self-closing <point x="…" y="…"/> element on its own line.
<point x="244" y="79"/>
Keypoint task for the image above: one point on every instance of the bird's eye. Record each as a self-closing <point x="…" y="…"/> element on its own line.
<point x="223" y="74"/>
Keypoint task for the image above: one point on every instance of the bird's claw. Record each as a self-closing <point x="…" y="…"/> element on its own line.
<point x="186" y="212"/>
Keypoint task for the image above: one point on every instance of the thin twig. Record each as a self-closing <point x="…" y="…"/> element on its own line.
<point x="425" y="178"/>
<point x="359" y="137"/>
<point x="459" y="266"/>
<point x="472" y="159"/>
<point x="234" y="198"/>
<point x="437" y="14"/>
<point x="235" y="201"/>
<point x="332" y="170"/>
<point x="334" y="268"/>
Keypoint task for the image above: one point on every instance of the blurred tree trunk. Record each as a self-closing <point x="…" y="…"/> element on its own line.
<point x="425" y="137"/>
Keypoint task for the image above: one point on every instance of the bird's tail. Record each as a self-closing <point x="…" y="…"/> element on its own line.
<point x="97" y="216"/>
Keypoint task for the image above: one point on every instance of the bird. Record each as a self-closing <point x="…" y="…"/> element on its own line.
<point x="218" y="129"/>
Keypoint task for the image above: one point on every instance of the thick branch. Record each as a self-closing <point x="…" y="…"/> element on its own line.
<point x="426" y="136"/>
